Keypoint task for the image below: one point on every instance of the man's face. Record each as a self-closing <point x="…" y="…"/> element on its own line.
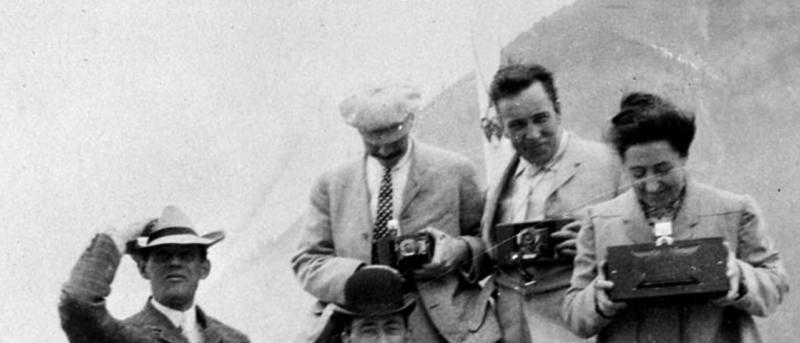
<point x="388" y="154"/>
<point x="657" y="171"/>
<point x="531" y="122"/>
<point x="174" y="272"/>
<point x="384" y="329"/>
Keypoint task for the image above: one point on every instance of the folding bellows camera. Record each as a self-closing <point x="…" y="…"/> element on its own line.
<point x="526" y="244"/>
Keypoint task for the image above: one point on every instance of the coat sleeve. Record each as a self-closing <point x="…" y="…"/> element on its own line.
<point x="316" y="266"/>
<point x="82" y="308"/>
<point x="579" y="309"/>
<point x="763" y="273"/>
<point x="471" y="203"/>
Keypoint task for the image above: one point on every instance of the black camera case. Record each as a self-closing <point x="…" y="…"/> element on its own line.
<point x="684" y="271"/>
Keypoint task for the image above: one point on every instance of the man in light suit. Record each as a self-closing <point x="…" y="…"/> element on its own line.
<point x="173" y="258"/>
<point x="422" y="189"/>
<point x="553" y="174"/>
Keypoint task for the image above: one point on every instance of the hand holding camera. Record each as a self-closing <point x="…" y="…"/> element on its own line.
<point x="603" y="304"/>
<point x="734" y="274"/>
<point x="448" y="253"/>
<point x="568" y="234"/>
<point x="538" y="242"/>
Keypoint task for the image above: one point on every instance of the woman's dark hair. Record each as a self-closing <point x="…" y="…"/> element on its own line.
<point x="645" y="118"/>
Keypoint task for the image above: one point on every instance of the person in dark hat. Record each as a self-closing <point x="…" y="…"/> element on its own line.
<point x="172" y="256"/>
<point x="375" y="308"/>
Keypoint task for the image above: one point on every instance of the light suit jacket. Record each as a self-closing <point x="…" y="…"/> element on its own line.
<point x="85" y="319"/>
<point x="441" y="192"/>
<point x="706" y="212"/>
<point x="589" y="173"/>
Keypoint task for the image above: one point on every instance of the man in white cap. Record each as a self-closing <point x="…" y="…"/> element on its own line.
<point x="420" y="189"/>
<point x="168" y="253"/>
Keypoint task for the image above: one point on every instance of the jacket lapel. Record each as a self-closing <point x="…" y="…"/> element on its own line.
<point x="157" y="321"/>
<point x="359" y="194"/>
<point x="687" y="217"/>
<point x="635" y="225"/>
<point x="416" y="172"/>
<point x="495" y="194"/>
<point x="493" y="201"/>
<point x="359" y="212"/>
<point x="211" y="333"/>
<point x="567" y="167"/>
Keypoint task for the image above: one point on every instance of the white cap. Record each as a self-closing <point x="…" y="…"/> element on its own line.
<point x="381" y="112"/>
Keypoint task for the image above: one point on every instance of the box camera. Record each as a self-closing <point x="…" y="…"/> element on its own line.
<point x="405" y="252"/>
<point x="529" y="243"/>
<point x="685" y="271"/>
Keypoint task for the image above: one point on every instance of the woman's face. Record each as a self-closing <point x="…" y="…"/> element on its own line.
<point x="657" y="171"/>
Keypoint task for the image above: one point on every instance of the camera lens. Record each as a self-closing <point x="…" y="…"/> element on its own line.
<point x="408" y="247"/>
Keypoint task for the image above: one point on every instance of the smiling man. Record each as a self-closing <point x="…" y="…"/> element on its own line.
<point x="553" y="174"/>
<point x="168" y="253"/>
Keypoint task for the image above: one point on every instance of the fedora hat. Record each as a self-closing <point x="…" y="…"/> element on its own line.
<point x="173" y="227"/>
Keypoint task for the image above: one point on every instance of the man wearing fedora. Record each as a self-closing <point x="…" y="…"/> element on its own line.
<point x="168" y="253"/>
<point x="418" y="187"/>
<point x="374" y="309"/>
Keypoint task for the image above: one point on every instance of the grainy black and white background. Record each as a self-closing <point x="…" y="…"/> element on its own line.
<point x="111" y="110"/>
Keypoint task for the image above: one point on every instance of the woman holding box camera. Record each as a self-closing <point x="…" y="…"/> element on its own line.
<point x="665" y="205"/>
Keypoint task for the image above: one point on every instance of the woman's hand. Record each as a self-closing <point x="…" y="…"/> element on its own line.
<point x="734" y="274"/>
<point x="603" y="304"/>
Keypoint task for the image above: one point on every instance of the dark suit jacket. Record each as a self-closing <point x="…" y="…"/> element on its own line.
<point x="441" y="192"/>
<point x="84" y="316"/>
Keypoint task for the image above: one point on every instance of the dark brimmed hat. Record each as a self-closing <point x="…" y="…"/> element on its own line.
<point x="371" y="291"/>
<point x="173" y="227"/>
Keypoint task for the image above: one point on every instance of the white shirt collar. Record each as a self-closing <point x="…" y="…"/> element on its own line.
<point x="186" y="319"/>
<point x="400" y="171"/>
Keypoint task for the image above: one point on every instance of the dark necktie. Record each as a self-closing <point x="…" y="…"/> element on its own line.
<point x="384" y="212"/>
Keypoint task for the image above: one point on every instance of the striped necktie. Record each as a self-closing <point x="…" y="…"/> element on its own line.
<point x="384" y="211"/>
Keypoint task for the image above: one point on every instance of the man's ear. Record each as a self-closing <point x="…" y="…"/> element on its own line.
<point x="205" y="269"/>
<point x="503" y="130"/>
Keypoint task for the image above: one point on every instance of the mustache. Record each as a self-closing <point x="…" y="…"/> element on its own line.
<point x="387" y="157"/>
